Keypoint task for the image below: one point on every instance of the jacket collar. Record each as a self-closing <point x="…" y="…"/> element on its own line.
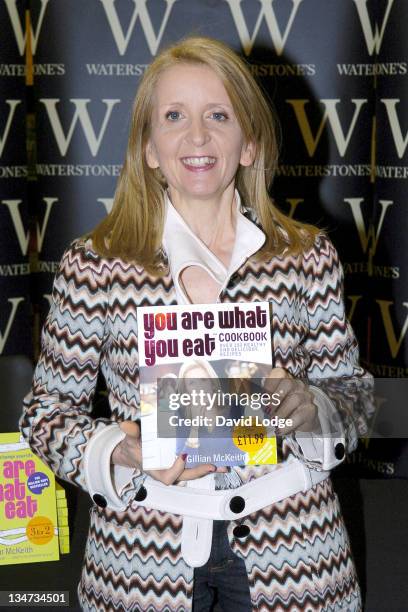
<point x="184" y="248"/>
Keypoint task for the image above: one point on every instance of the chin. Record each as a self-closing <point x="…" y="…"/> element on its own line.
<point x="203" y="191"/>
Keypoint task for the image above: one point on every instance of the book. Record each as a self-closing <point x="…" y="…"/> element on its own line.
<point x="194" y="364"/>
<point x="28" y="513"/>
<point x="62" y="518"/>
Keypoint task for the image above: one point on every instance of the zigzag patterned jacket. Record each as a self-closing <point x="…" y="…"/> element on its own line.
<point x="297" y="553"/>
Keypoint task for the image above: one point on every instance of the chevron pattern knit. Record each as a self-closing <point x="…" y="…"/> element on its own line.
<point x="297" y="554"/>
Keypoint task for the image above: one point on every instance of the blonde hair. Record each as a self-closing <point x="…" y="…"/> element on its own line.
<point x="205" y="367"/>
<point x="133" y="229"/>
<point x="192" y="364"/>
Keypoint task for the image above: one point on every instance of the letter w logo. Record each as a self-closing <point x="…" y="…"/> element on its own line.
<point x="400" y="141"/>
<point x="15" y="302"/>
<point x="373" y="38"/>
<point x="394" y="343"/>
<point x="266" y="11"/>
<point x="82" y="115"/>
<point x="331" y="116"/>
<point x="12" y="107"/>
<point x="23" y="236"/>
<point x="140" y="10"/>
<point x="370" y="235"/>
<point x="19" y="33"/>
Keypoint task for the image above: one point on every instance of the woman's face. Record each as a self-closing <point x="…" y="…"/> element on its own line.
<point x="204" y="383"/>
<point x="195" y="138"/>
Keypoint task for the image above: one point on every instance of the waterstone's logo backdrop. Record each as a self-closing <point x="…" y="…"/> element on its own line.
<point x="335" y="72"/>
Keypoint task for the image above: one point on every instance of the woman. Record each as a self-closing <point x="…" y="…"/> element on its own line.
<point x="196" y="375"/>
<point x="190" y="371"/>
<point x="192" y="222"/>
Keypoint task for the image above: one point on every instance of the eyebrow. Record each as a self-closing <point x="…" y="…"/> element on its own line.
<point x="207" y="105"/>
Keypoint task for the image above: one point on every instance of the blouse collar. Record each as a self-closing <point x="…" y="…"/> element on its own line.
<point x="184" y="248"/>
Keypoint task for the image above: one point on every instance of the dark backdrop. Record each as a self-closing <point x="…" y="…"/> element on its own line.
<point x="335" y="70"/>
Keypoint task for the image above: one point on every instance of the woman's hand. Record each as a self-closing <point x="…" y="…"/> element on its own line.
<point x="296" y="402"/>
<point x="129" y="451"/>
<point x="129" y="454"/>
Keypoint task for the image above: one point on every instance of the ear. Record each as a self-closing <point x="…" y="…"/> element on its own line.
<point x="151" y="157"/>
<point x="247" y="154"/>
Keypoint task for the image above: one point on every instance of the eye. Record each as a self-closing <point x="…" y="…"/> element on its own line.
<point x="219" y="116"/>
<point x="173" y="115"/>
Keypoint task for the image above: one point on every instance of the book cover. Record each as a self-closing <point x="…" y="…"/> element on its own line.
<point x="28" y="514"/>
<point x="195" y="361"/>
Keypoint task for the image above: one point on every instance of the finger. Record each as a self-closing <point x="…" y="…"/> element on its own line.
<point x="303" y="419"/>
<point x="275" y="378"/>
<point x="291" y="410"/>
<point x="296" y="394"/>
<point x="279" y="373"/>
<point x="298" y="403"/>
<point x="283" y="389"/>
<point x="290" y="404"/>
<point x="295" y="418"/>
<point x="290" y="385"/>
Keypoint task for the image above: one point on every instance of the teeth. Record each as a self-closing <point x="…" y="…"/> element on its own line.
<point x="198" y="161"/>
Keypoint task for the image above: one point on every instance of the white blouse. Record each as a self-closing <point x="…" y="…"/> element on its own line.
<point x="183" y="248"/>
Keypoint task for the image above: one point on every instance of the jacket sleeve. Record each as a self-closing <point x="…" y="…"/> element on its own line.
<point x="342" y="389"/>
<point x="56" y="420"/>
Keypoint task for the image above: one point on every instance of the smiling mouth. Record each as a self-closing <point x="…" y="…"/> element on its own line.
<point x="199" y="162"/>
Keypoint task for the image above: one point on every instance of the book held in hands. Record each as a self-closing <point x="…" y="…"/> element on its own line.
<point x="197" y="363"/>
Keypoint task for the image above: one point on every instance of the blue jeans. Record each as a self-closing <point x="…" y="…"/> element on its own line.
<point x="225" y="573"/>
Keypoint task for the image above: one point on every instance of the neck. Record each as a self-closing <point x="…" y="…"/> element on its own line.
<point x="213" y="219"/>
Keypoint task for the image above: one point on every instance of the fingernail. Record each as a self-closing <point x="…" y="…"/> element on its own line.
<point x="184" y="456"/>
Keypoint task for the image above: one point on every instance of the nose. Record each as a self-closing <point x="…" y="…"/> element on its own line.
<point x="198" y="133"/>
